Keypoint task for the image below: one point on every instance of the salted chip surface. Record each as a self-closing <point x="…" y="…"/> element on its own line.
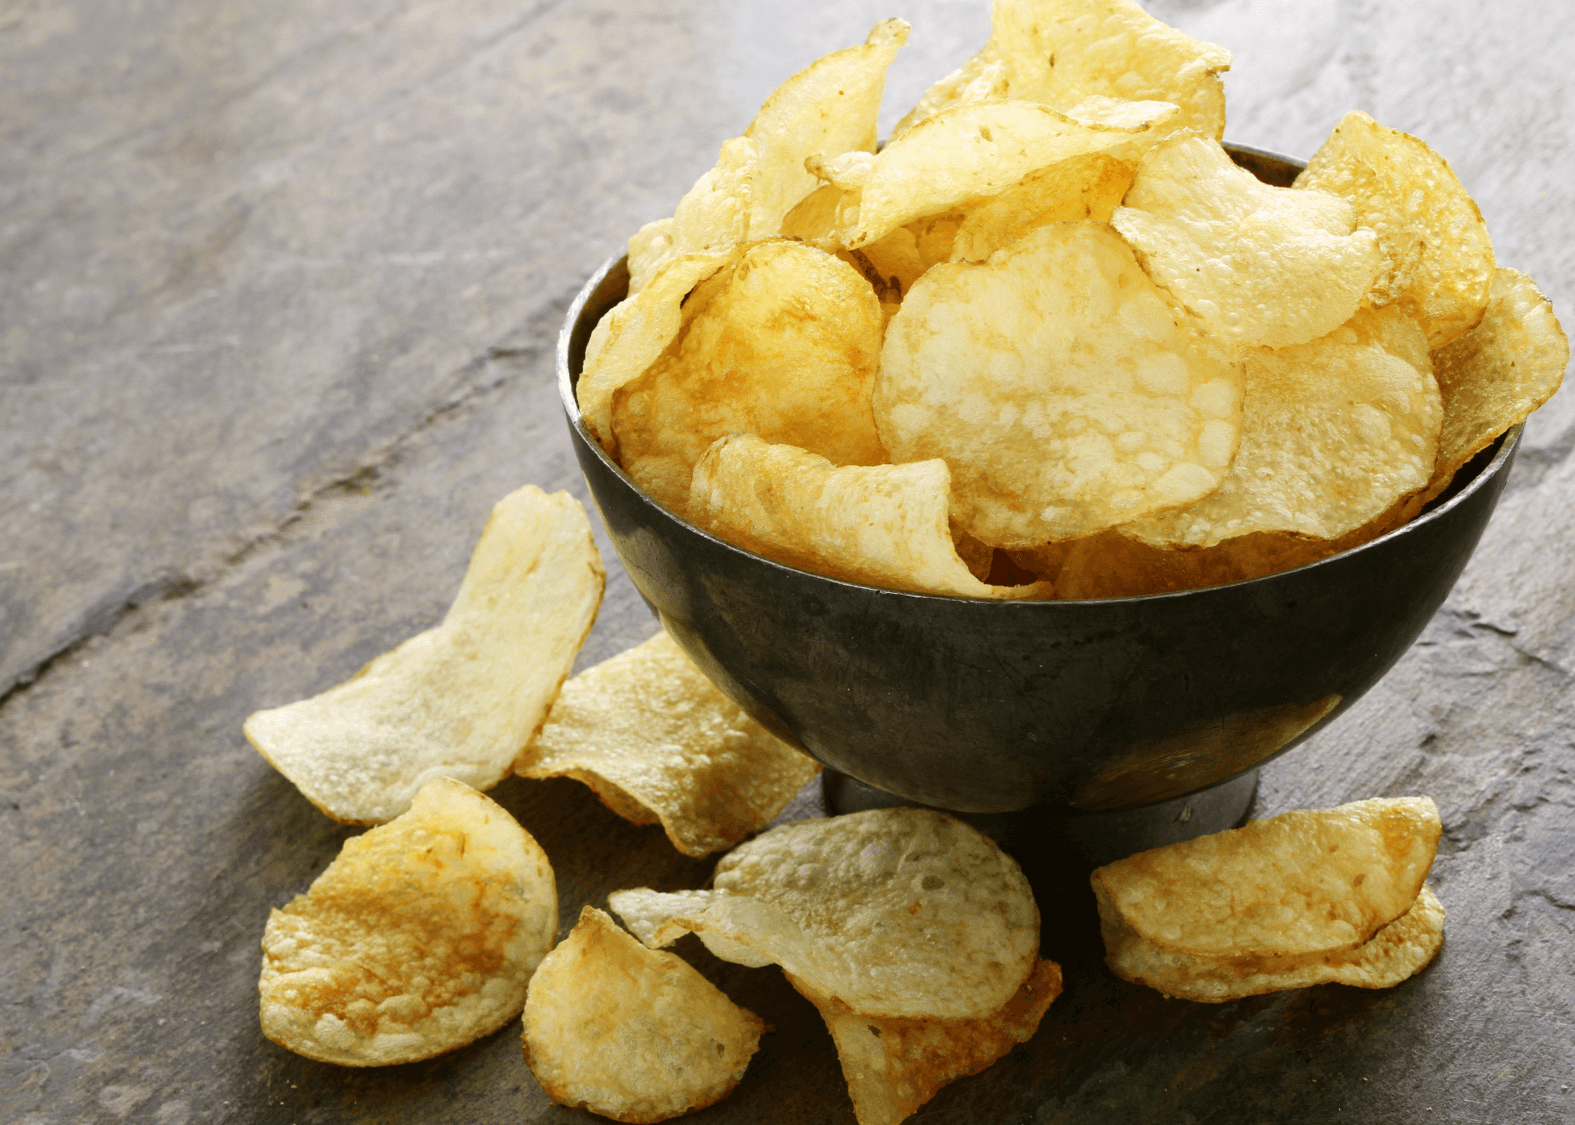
<point x="884" y="525"/>
<point x="1059" y="52"/>
<point x="1494" y="376"/>
<point x="898" y="912"/>
<point x="973" y="151"/>
<point x="784" y="345"/>
<point x="1062" y="388"/>
<point x="893" y="1066"/>
<point x="632" y="1033"/>
<point x="1261" y="265"/>
<point x="420" y="937"/>
<point x="460" y="700"/>
<point x="1334" y="433"/>
<point x="1084" y="187"/>
<point x="658" y="743"/>
<point x="711" y="218"/>
<point x="1438" y="259"/>
<point x="1304" y="882"/>
<point x="1395" y="953"/>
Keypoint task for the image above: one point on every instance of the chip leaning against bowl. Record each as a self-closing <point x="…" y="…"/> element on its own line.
<point x="1054" y="290"/>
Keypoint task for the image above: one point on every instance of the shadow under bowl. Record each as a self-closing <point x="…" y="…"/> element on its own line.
<point x="1063" y="707"/>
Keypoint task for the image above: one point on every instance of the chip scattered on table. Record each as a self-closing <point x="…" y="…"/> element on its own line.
<point x="460" y="700"/>
<point x="419" y="938"/>
<point x="658" y="743"/>
<point x="632" y="1033"/>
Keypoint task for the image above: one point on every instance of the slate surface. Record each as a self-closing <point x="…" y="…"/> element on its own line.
<point x="280" y="284"/>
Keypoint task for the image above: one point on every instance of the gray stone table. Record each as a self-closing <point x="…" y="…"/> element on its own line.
<point x="279" y="283"/>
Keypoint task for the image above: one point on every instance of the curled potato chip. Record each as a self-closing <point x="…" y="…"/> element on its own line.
<point x="893" y="1066"/>
<point x="1261" y="265"/>
<point x="420" y="937"/>
<point x="1062" y="388"/>
<point x="657" y="742"/>
<point x="1083" y="187"/>
<point x="1395" y="953"/>
<point x="712" y="217"/>
<point x="1059" y="52"/>
<point x="785" y="345"/>
<point x="1304" y="882"/>
<point x="632" y="1033"/>
<point x="1438" y="259"/>
<point x="885" y="525"/>
<point x="900" y="912"/>
<point x="969" y="152"/>
<point x="460" y="700"/>
<point x="1334" y="434"/>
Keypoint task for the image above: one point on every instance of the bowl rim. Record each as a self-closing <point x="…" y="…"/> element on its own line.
<point x="1507" y="443"/>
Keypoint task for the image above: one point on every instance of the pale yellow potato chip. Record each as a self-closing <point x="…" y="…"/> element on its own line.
<point x="1494" y="376"/>
<point x="1438" y="259"/>
<point x="420" y="937"/>
<point x="460" y="700"/>
<point x="973" y="151"/>
<point x="1304" y="882"/>
<point x="883" y="525"/>
<point x="1059" y="52"/>
<point x="893" y="1066"/>
<point x="712" y="217"/>
<point x="814" y="218"/>
<point x="1334" y="433"/>
<point x="1261" y="265"/>
<point x="1083" y="187"/>
<point x="1395" y="953"/>
<point x="900" y="912"/>
<point x="828" y="108"/>
<point x="632" y="1033"/>
<point x="1063" y="389"/>
<point x="785" y="345"/>
<point x="658" y="743"/>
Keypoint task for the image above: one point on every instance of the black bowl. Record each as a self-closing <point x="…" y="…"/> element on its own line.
<point x="1061" y="706"/>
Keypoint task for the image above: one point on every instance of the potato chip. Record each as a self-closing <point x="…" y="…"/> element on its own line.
<point x="1395" y="953"/>
<point x="420" y="937"/>
<point x="1304" y="882"/>
<point x="1334" y="433"/>
<point x="883" y="525"/>
<point x="1494" y="376"/>
<point x="970" y="152"/>
<point x="631" y="1033"/>
<point x="1261" y="265"/>
<point x="784" y="346"/>
<point x="893" y="1066"/>
<point x="712" y="217"/>
<point x="899" y="912"/>
<point x="460" y="700"/>
<point x="1063" y="389"/>
<point x="1084" y="187"/>
<point x="658" y="743"/>
<point x="1438" y="259"/>
<point x="1060" y="52"/>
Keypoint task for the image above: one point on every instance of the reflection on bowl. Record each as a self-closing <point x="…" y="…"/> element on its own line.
<point x="996" y="706"/>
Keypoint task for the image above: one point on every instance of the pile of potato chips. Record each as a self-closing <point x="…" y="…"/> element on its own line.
<point x="1049" y="341"/>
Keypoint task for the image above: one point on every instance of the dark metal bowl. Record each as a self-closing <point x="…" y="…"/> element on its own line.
<point x="1064" y="706"/>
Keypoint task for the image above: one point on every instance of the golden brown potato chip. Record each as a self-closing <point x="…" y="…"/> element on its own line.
<point x="1395" y="953"/>
<point x="1494" y="376"/>
<point x="900" y="912"/>
<point x="420" y="937"/>
<point x="1059" y="52"/>
<point x="657" y="742"/>
<point x="460" y="700"/>
<point x="970" y="152"/>
<point x="1084" y="187"/>
<point x="1334" y="433"/>
<point x="784" y="346"/>
<point x="1304" y="882"/>
<point x="884" y="525"/>
<point x="712" y="217"/>
<point x="631" y="1033"/>
<point x="1065" y="392"/>
<point x="826" y="109"/>
<point x="893" y="1066"/>
<point x="1438" y="260"/>
<point x="1261" y="265"/>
